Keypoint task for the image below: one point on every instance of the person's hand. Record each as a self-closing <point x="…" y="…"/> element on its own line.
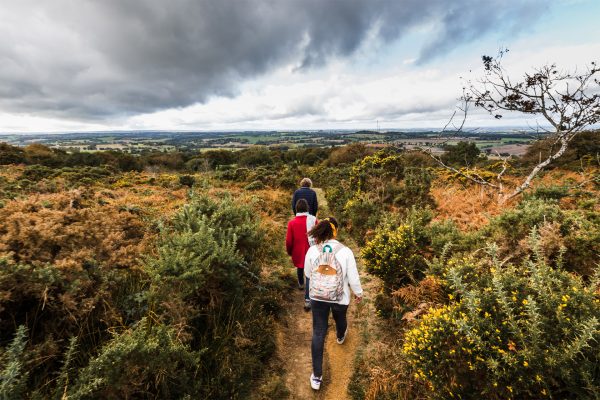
<point x="357" y="298"/>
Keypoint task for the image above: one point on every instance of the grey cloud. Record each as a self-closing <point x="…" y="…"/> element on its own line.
<point x="90" y="60"/>
<point x="393" y="112"/>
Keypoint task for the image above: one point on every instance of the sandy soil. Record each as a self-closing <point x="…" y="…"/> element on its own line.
<point x="293" y="342"/>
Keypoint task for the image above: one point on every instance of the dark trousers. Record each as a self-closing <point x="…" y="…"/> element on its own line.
<point x="320" y="314"/>
<point x="301" y="277"/>
<point x="300" y="272"/>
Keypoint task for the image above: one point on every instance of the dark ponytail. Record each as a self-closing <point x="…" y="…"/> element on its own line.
<point x="324" y="230"/>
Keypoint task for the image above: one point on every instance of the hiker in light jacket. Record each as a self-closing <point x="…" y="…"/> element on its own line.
<point x="297" y="243"/>
<point x="305" y="192"/>
<point x="321" y="275"/>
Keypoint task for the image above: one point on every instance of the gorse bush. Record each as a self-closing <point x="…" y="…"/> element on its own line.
<point x="525" y="332"/>
<point x="206" y="284"/>
<point x="393" y="255"/>
<point x="12" y="376"/>
<point x="514" y="225"/>
<point x="415" y="189"/>
<point x="147" y="361"/>
<point x="361" y="213"/>
<point x="187" y="180"/>
<point x="57" y="304"/>
<point x="577" y="232"/>
<point x="255" y="185"/>
<point x="374" y="172"/>
<point x="229" y="221"/>
<point x="194" y="319"/>
<point x="553" y="192"/>
<point x="69" y="230"/>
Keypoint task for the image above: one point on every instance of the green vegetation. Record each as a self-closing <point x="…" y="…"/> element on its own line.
<point x="190" y="321"/>
<point x="525" y="331"/>
<point x="157" y="275"/>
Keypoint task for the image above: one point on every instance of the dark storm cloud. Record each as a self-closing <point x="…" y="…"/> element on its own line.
<point x="88" y="59"/>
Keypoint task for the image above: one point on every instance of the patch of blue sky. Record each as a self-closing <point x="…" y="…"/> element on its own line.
<point x="565" y="22"/>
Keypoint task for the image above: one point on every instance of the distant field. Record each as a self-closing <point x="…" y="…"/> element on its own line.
<point x="512" y="149"/>
<point x="136" y="142"/>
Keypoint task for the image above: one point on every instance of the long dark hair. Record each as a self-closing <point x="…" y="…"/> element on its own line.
<point x="324" y="230"/>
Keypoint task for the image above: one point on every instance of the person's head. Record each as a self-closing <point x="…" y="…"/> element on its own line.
<point x="326" y="229"/>
<point x="301" y="206"/>
<point x="306" y="182"/>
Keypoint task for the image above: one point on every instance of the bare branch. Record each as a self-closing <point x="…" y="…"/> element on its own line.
<point x="568" y="101"/>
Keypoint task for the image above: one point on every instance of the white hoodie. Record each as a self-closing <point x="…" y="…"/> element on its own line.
<point x="349" y="270"/>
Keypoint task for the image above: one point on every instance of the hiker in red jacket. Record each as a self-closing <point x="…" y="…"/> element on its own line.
<point x="297" y="243"/>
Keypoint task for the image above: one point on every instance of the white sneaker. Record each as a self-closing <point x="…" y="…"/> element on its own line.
<point x="306" y="305"/>
<point x="341" y="341"/>
<point x="315" y="382"/>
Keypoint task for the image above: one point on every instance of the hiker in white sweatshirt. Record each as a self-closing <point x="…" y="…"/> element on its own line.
<point x="331" y="268"/>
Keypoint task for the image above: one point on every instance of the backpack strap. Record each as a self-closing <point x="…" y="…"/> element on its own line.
<point x="337" y="248"/>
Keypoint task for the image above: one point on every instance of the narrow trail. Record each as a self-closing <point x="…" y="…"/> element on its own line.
<point x="294" y="339"/>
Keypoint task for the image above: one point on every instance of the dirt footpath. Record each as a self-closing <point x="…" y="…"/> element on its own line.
<point x="293" y="347"/>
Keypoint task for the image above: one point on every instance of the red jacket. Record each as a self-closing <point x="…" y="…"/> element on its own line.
<point x="296" y="240"/>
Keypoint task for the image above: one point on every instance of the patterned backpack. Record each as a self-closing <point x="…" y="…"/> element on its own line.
<point x="326" y="275"/>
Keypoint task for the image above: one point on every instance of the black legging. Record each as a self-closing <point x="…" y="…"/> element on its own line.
<point x="320" y="314"/>
<point x="300" y="272"/>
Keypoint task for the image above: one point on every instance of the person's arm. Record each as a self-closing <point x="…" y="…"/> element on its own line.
<point x="352" y="274"/>
<point x="289" y="239"/>
<point x="294" y="202"/>
<point x="308" y="263"/>
<point x="316" y="204"/>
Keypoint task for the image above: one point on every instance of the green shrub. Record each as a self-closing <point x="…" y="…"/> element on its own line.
<point x="187" y="180"/>
<point x="361" y="214"/>
<point x="255" y="185"/>
<point x="525" y="332"/>
<point x="86" y="176"/>
<point x="255" y="156"/>
<point x="12" y="376"/>
<point x="36" y="172"/>
<point x="581" y="243"/>
<point x="65" y="303"/>
<point x="11" y="154"/>
<point x="286" y="181"/>
<point x="444" y="233"/>
<point x="196" y="321"/>
<point x="232" y="174"/>
<point x="513" y="225"/>
<point x="461" y="154"/>
<point x="393" y="255"/>
<point x="415" y="188"/>
<point x="373" y="173"/>
<point x="147" y="361"/>
<point x="230" y="221"/>
<point x="576" y="232"/>
<point x="206" y="282"/>
<point x="348" y="154"/>
<point x="553" y="192"/>
<point x="337" y="196"/>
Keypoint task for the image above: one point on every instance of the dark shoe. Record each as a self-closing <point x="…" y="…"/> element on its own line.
<point x="306" y="305"/>
<point x="300" y="287"/>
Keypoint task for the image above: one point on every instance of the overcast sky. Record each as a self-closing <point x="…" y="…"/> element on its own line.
<point x="74" y="65"/>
